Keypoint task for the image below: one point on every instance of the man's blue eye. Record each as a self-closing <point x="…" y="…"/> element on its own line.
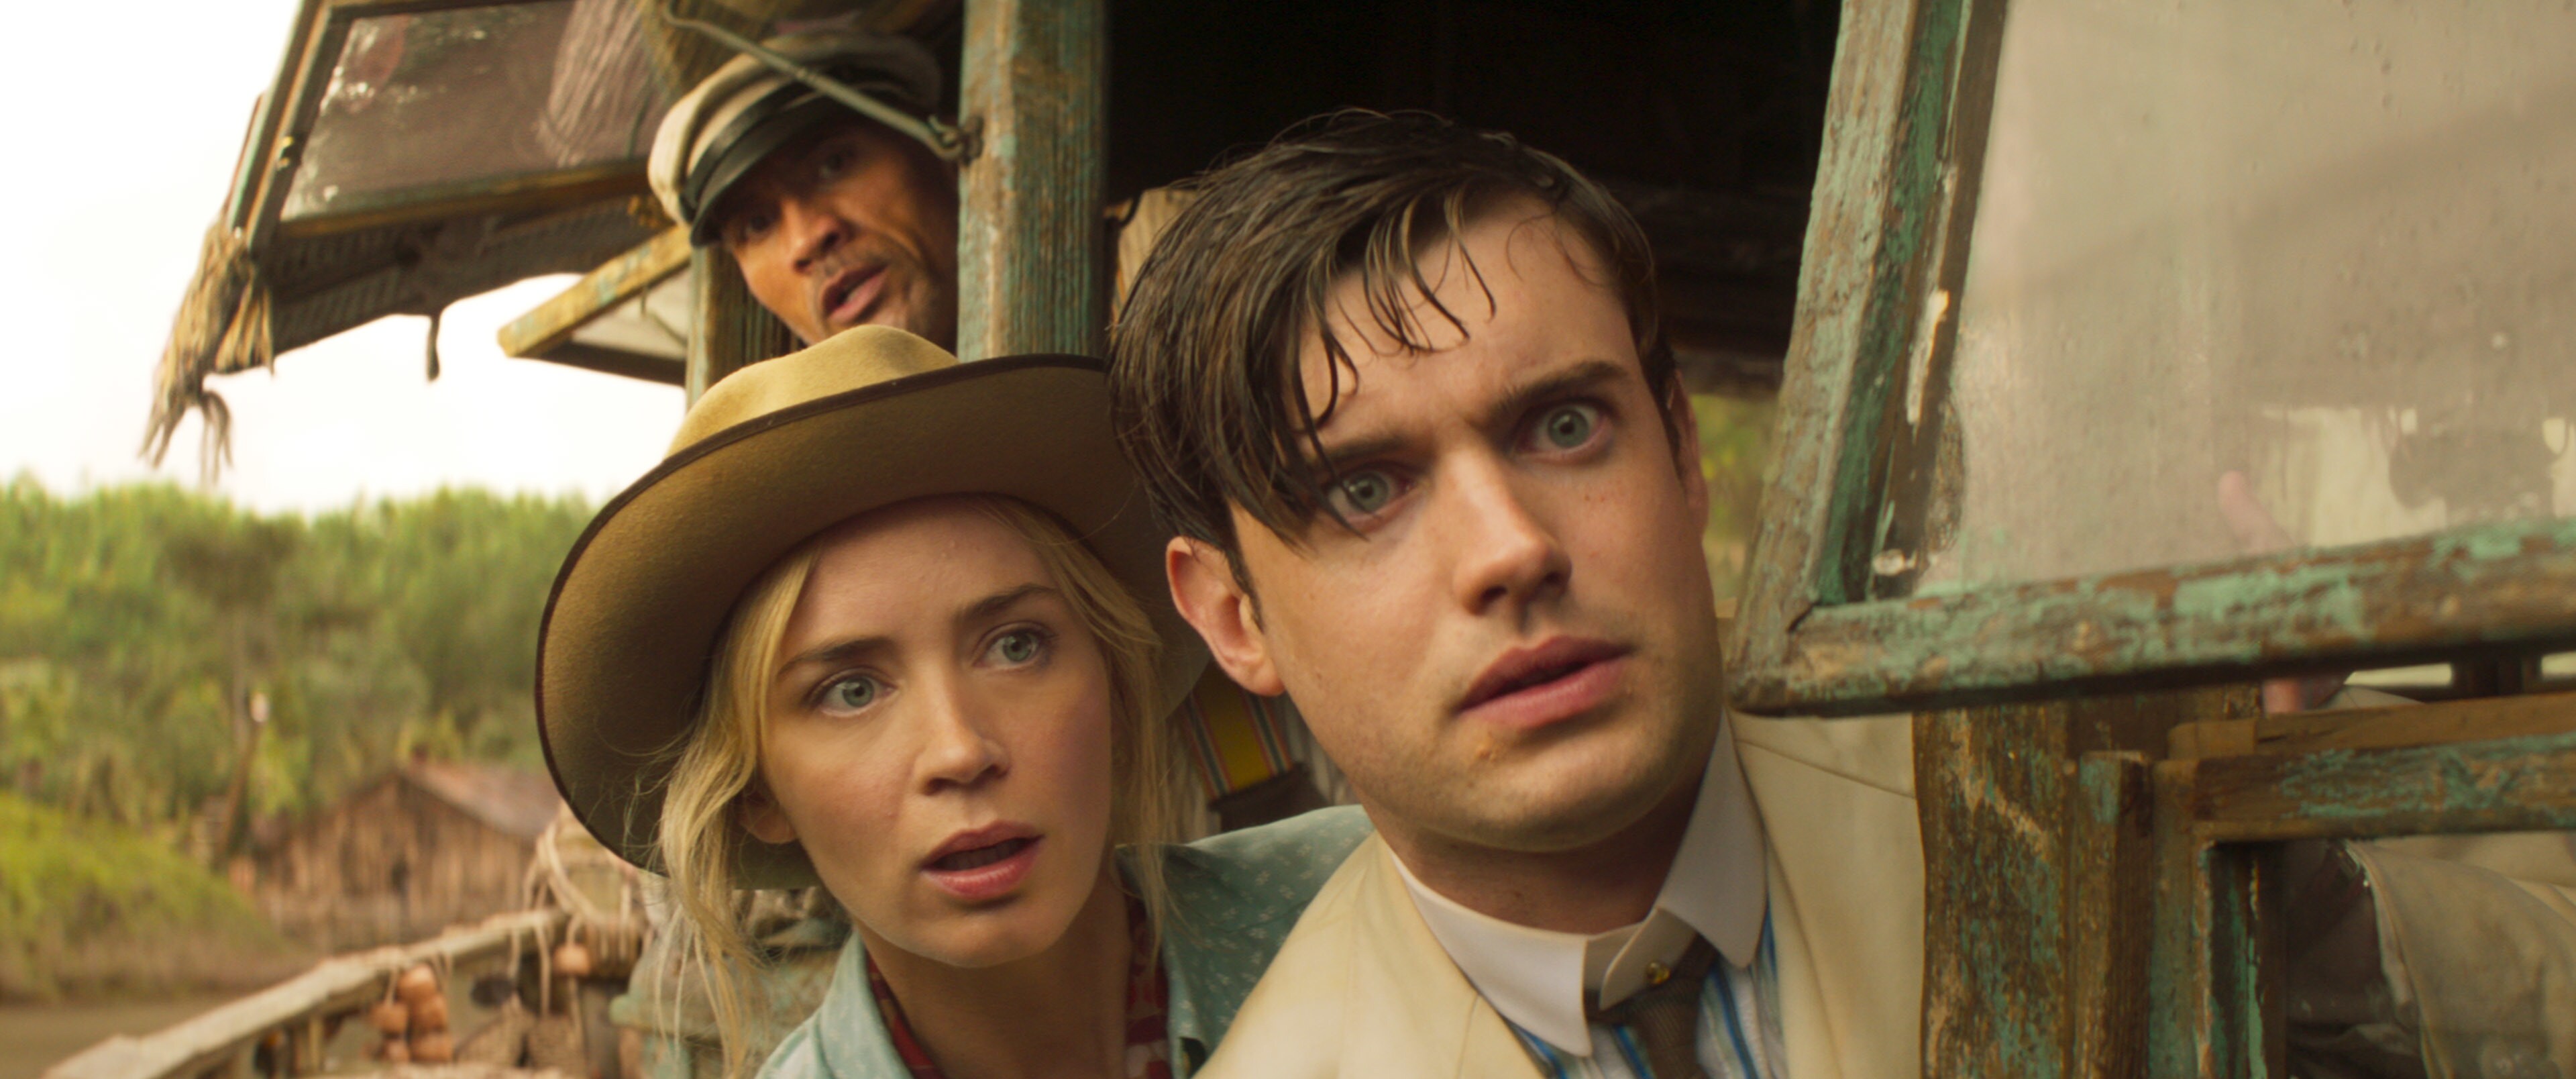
<point x="851" y="694"/>
<point x="1365" y="492"/>
<point x="1568" y="426"/>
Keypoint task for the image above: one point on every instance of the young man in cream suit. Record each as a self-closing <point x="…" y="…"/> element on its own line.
<point x="1400" y="387"/>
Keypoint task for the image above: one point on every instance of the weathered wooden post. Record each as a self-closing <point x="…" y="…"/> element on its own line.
<point x="731" y="331"/>
<point x="1029" y="248"/>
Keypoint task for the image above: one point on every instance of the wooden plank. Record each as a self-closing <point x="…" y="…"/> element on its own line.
<point x="342" y="984"/>
<point x="1031" y="246"/>
<point x="1838" y="270"/>
<point x="2182" y="1021"/>
<point x="1993" y="788"/>
<point x="2506" y="584"/>
<point x="523" y="194"/>
<point x="2525" y="783"/>
<point x="600" y="291"/>
<point x="730" y="330"/>
<point x="2110" y="911"/>
<point x="2416" y="725"/>
<point x="619" y="362"/>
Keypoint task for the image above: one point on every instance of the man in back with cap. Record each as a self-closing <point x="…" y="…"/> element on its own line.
<point x="837" y="219"/>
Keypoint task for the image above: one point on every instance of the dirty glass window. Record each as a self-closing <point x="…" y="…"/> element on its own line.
<point x="477" y="94"/>
<point x="2328" y="246"/>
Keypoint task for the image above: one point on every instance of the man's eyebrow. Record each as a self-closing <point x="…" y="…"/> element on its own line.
<point x="1582" y="375"/>
<point x="1504" y="411"/>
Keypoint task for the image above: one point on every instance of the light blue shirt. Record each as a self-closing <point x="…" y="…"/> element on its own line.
<point x="1234" y="897"/>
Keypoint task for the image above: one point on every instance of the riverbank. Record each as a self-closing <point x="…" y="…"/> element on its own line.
<point x="34" y="1037"/>
<point x="89" y="911"/>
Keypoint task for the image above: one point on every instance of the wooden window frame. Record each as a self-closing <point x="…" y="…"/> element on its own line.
<point x="1887" y="246"/>
<point x="274" y="149"/>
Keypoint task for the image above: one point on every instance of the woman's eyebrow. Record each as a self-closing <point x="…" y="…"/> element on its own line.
<point x="1001" y="601"/>
<point x="832" y="652"/>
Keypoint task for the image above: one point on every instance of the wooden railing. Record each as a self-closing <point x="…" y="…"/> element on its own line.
<point x="222" y="1042"/>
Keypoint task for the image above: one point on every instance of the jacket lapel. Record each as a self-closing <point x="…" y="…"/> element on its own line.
<point x="1409" y="1012"/>
<point x="1846" y="890"/>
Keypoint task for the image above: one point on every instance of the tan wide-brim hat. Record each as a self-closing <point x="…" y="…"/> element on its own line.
<point x="770" y="456"/>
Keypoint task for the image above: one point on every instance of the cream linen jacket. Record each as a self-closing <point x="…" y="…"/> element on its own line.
<point x="1361" y="989"/>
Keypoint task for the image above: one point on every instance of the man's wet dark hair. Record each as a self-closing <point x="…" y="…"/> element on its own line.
<point x="1206" y="393"/>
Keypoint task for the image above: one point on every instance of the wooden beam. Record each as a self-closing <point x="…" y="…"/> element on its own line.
<point x="1877" y="173"/>
<point x="1992" y="787"/>
<point x="1031" y="246"/>
<point x="342" y="984"/>
<point x="2414" y="725"/>
<point x="2505" y="584"/>
<point x="2525" y="783"/>
<point x="552" y="323"/>
<point x="619" y="362"/>
<point x="524" y="194"/>
<point x="729" y="329"/>
<point x="2110" y="864"/>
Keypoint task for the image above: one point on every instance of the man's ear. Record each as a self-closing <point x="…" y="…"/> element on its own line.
<point x="1683" y="421"/>
<point x="1204" y="588"/>
<point x="761" y="817"/>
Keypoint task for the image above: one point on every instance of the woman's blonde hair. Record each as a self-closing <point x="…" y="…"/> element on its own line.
<point x="718" y="760"/>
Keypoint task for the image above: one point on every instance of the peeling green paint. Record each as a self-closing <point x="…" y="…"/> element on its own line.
<point x="2509" y="583"/>
<point x="2524" y="783"/>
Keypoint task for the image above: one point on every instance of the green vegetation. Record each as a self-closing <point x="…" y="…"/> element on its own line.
<point x="1734" y="444"/>
<point x="87" y="907"/>
<point x="174" y="669"/>
<point x="180" y="667"/>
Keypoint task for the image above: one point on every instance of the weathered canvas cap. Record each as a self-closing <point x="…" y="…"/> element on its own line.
<point x="722" y="129"/>
<point x="770" y="456"/>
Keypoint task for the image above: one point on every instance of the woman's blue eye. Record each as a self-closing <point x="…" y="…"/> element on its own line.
<point x="1365" y="492"/>
<point x="850" y="694"/>
<point x="1019" y="646"/>
<point x="1567" y="427"/>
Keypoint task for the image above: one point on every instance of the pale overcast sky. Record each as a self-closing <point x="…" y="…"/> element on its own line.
<point x="121" y="149"/>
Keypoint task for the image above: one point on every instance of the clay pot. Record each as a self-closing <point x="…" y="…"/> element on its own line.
<point x="417" y="983"/>
<point x="433" y="1048"/>
<point x="390" y="1018"/>
<point x="572" y="959"/>
<point x="429" y="1013"/>
<point x="394" y="1051"/>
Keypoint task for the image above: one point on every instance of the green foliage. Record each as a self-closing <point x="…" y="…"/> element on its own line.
<point x="121" y="910"/>
<point x="1734" y="445"/>
<point x="136" y="622"/>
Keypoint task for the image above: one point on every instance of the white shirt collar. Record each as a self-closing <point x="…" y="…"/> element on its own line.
<point x="1538" y="978"/>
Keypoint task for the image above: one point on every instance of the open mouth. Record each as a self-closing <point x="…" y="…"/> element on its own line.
<point x="850" y="293"/>
<point x="986" y="864"/>
<point x="1559" y="679"/>
<point x="980" y="857"/>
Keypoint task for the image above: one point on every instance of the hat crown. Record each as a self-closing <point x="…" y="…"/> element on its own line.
<point x="854" y="359"/>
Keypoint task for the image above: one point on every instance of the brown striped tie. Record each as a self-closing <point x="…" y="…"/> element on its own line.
<point x="1664" y="1016"/>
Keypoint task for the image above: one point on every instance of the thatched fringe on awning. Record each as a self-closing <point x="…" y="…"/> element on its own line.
<point x="223" y="327"/>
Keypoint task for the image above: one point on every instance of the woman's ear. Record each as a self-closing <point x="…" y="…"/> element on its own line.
<point x="761" y="816"/>
<point x="1204" y="588"/>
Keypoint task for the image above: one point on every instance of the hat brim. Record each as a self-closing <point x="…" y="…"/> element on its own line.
<point x="632" y="622"/>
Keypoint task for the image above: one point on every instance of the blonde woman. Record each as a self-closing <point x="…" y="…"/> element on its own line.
<point x="897" y="625"/>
